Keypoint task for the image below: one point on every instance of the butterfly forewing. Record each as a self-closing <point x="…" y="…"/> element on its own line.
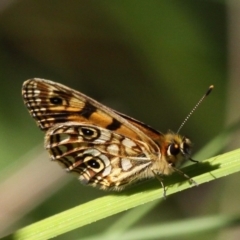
<point x="51" y="103"/>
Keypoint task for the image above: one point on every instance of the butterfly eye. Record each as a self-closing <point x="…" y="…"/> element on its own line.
<point x="93" y="163"/>
<point x="96" y="164"/>
<point x="173" y="149"/>
<point x="186" y="146"/>
<point x="56" y="100"/>
<point x="89" y="133"/>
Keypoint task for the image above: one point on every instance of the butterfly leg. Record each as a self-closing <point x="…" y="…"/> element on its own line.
<point x="161" y="181"/>
<point x="186" y="176"/>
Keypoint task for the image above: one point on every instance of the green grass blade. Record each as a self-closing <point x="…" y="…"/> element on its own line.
<point x="111" y="204"/>
<point x="181" y="228"/>
<point x="127" y="220"/>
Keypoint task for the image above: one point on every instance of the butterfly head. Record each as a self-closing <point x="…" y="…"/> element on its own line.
<point x="177" y="149"/>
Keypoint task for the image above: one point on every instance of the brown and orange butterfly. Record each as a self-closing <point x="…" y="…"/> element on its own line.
<point x="107" y="149"/>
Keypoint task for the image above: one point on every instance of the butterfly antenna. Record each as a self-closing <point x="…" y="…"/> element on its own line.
<point x="196" y="106"/>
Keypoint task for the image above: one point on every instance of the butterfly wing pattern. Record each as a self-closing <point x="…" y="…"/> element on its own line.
<point x="107" y="149"/>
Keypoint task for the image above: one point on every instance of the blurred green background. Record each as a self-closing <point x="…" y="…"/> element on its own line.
<point x="152" y="60"/>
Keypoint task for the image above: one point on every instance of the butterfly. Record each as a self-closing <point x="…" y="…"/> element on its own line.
<point x="105" y="148"/>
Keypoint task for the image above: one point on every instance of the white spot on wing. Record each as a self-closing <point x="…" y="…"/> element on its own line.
<point x="128" y="143"/>
<point x="37" y="91"/>
<point x="113" y="149"/>
<point x="104" y="137"/>
<point x="126" y="164"/>
<point x="107" y="171"/>
<point x="92" y="151"/>
<point x="105" y="159"/>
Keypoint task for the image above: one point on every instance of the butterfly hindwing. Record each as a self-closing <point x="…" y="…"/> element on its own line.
<point x="100" y="157"/>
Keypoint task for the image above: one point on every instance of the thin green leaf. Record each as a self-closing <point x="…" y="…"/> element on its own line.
<point x="100" y="208"/>
<point x="182" y="227"/>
